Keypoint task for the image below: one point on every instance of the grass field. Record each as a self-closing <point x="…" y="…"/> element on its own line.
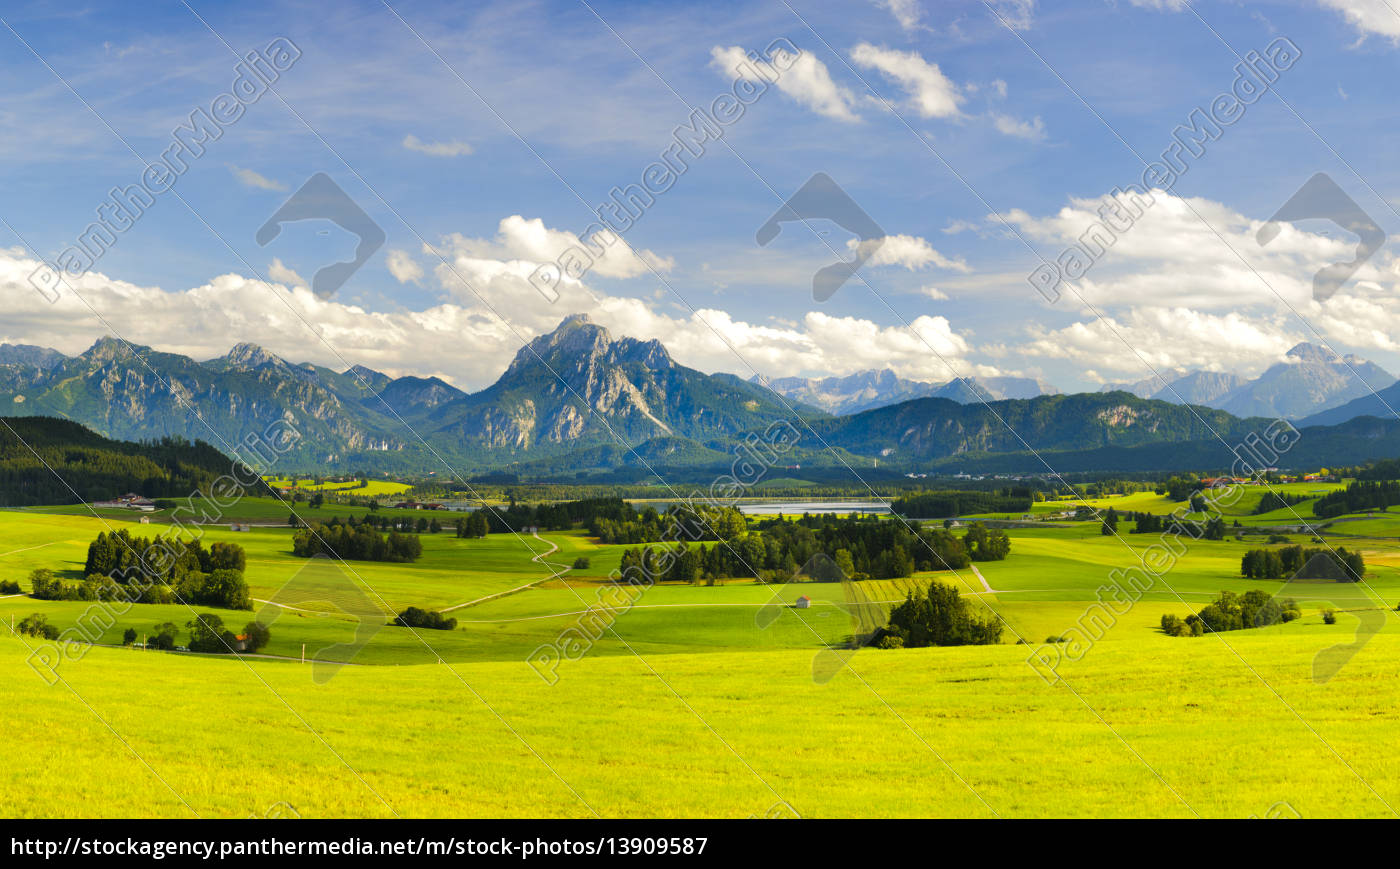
<point x="700" y="700"/>
<point x="371" y="488"/>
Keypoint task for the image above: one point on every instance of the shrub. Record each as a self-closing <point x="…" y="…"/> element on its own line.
<point x="1329" y="616"/>
<point x="413" y="617"/>
<point x="37" y="625"/>
<point x="255" y="636"/>
<point x="581" y="563"/>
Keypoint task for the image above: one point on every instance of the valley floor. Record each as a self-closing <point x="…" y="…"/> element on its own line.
<point x="701" y="701"/>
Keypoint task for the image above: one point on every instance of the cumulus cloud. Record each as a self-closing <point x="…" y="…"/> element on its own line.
<point x="281" y="273"/>
<point x="1032" y="130"/>
<point x="908" y="251"/>
<point x="403" y="266"/>
<point x="907" y="12"/>
<point x="249" y="178"/>
<point x="1168" y="339"/>
<point x="461" y="340"/>
<point x="437" y="149"/>
<point x="531" y="242"/>
<point x="806" y="81"/>
<point x="1187" y="251"/>
<point x="931" y="93"/>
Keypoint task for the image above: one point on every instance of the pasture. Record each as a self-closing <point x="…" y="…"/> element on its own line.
<point x="711" y="686"/>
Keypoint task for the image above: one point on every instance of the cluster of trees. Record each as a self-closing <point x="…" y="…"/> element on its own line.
<point x="561" y="516"/>
<point x="855" y="547"/>
<point x="937" y="505"/>
<point x="355" y="542"/>
<point x="937" y="617"/>
<point x="154" y="570"/>
<point x="1233" y="612"/>
<point x="1289" y="561"/>
<point x="37" y="626"/>
<point x="680" y="521"/>
<point x="1180" y="488"/>
<point x="208" y="634"/>
<point x="413" y="617"/>
<point x="1359" y="495"/>
<point x="1277" y="501"/>
<point x="407" y="524"/>
<point x="224" y="588"/>
<point x="1385" y="469"/>
<point x="9" y="586"/>
<point x="474" y="524"/>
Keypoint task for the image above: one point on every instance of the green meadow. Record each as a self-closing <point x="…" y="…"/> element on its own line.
<point x="699" y="699"/>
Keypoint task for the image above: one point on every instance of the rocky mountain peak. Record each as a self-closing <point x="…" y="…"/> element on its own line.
<point x="1306" y="352"/>
<point x="246" y="355"/>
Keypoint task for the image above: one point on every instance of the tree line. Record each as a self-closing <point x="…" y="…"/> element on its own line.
<point x="355" y="543"/>
<point x="937" y="505"/>
<point x="1358" y="495"/>
<point x="1295" y="561"/>
<point x="1233" y="612"/>
<point x="855" y="547"/>
<point x="74" y="464"/>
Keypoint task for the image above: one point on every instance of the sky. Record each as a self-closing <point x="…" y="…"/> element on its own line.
<point x="478" y="143"/>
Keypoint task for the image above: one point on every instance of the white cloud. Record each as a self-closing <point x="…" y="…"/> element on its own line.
<point x="1167" y="339"/>
<point x="1192" y="252"/>
<point x="437" y="149"/>
<point x="934" y="293"/>
<point x="1033" y="130"/>
<point x="1369" y="16"/>
<point x="1018" y="14"/>
<point x="931" y="93"/>
<point x="806" y="81"/>
<point x="908" y="251"/>
<point x="461" y="340"/>
<point x="249" y="178"/>
<point x="531" y="241"/>
<point x="403" y="266"/>
<point x="280" y="273"/>
<point x="906" y="12"/>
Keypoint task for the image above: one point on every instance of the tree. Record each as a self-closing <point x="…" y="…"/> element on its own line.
<point x="984" y="544"/>
<point x="207" y="634"/>
<point x="255" y="636"/>
<point x="1110" y="522"/>
<point x="37" y="625"/>
<point x="128" y="636"/>
<point x="939" y="617"/>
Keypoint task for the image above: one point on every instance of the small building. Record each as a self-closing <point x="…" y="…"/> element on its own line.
<point x="145" y="520"/>
<point x="240" y="526"/>
<point x="803" y="602"/>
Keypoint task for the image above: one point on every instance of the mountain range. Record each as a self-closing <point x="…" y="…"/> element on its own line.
<point x="1309" y="380"/>
<point x="578" y="403"/>
<point x="867" y="390"/>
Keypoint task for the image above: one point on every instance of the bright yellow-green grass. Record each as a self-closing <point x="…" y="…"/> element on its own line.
<point x="370" y="489"/>
<point x="701" y="699"/>
<point x="1153" y="727"/>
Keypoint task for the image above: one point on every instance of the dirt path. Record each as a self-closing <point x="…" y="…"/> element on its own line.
<point x="538" y="559"/>
<point x="987" y="589"/>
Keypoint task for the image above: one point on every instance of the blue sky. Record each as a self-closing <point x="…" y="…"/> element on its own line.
<point x="478" y="138"/>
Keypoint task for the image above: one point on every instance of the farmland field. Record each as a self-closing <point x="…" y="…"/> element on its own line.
<point x="711" y="685"/>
